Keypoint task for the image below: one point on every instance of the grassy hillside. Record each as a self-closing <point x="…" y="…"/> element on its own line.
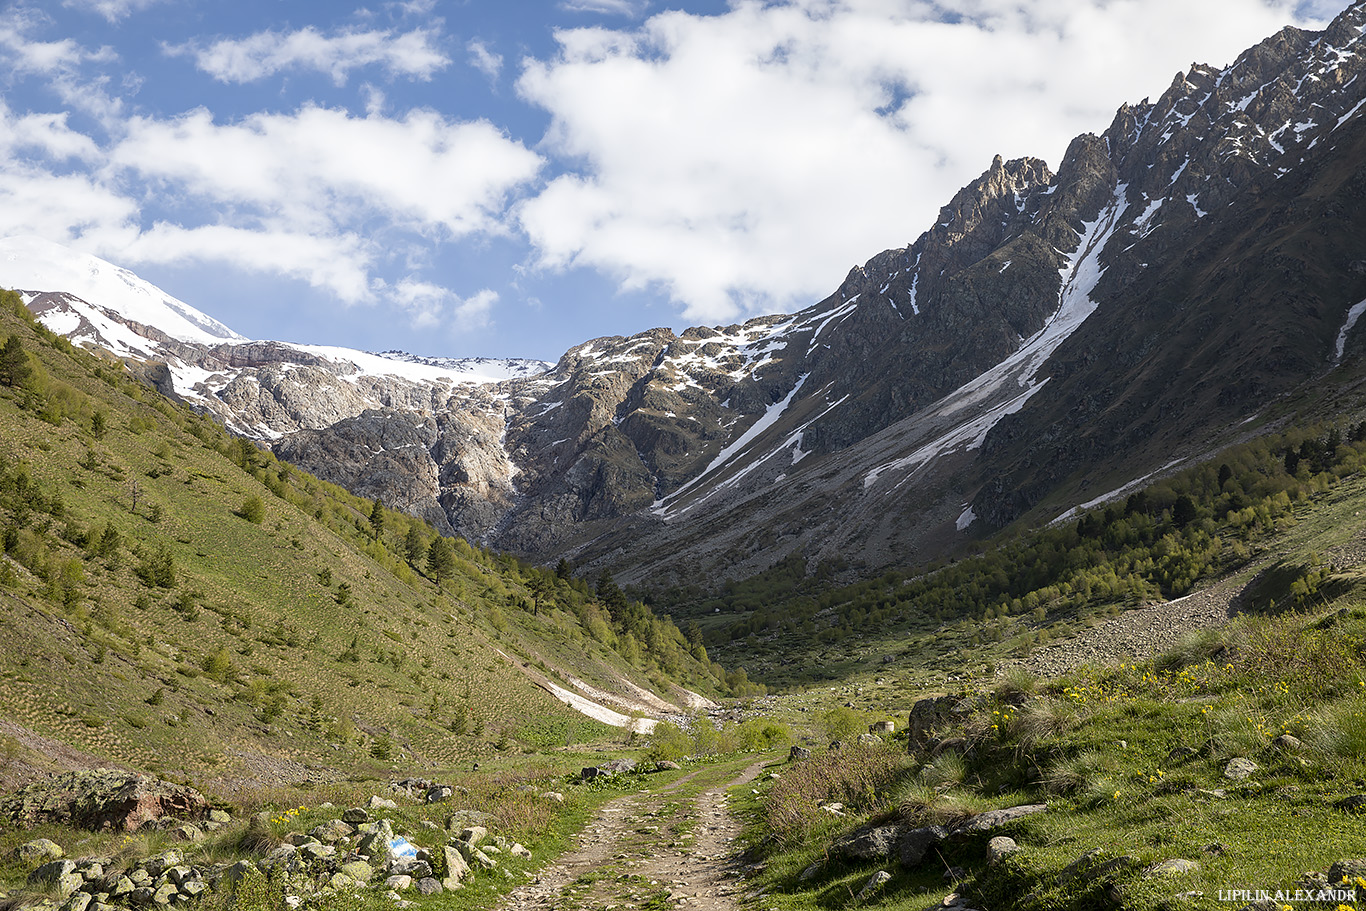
<point x="178" y="601"/>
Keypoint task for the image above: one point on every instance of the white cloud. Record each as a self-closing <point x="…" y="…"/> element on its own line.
<point x="484" y="60"/>
<point x="26" y="55"/>
<point x="610" y="7"/>
<point x="744" y="161"/>
<point x="414" y="54"/>
<point x="421" y="172"/>
<point x="112" y="10"/>
<point x="430" y="305"/>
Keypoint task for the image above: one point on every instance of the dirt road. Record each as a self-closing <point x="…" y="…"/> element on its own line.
<point x="664" y="849"/>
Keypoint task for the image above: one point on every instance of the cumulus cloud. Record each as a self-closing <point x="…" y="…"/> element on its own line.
<point x="743" y="161"/>
<point x="413" y="54"/>
<point x="420" y="172"/>
<point x="430" y="305"/>
<point x="484" y="60"/>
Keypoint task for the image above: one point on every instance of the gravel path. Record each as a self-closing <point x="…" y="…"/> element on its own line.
<point x="663" y="849"/>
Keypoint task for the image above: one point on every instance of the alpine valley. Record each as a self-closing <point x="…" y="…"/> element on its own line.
<point x="1046" y="528"/>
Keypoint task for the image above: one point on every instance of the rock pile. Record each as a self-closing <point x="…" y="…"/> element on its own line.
<point x="357" y="850"/>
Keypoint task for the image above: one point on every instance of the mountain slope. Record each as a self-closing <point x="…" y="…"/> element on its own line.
<point x="175" y="598"/>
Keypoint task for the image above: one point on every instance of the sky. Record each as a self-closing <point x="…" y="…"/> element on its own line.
<point x="510" y="178"/>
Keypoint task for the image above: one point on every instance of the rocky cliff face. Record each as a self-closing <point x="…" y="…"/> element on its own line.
<point x="1050" y="334"/>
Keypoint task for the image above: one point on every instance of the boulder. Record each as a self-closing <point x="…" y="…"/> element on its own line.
<point x="913" y="844"/>
<point x="931" y="715"/>
<point x="437" y="794"/>
<point x="102" y="799"/>
<point x="398" y="882"/>
<point x="994" y="819"/>
<point x="455" y="867"/>
<point x="39" y="851"/>
<point x="428" y="886"/>
<point x="870" y="842"/>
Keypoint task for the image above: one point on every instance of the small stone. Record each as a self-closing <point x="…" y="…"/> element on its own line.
<point x="517" y="850"/>
<point x="555" y="796"/>
<point x="399" y="882"/>
<point x="358" y="870"/>
<point x="473" y="835"/>
<point x="437" y="794"/>
<point x="380" y="803"/>
<point x="874" y="883"/>
<point x="78" y="902"/>
<point x="1288" y="742"/>
<point x="341" y="882"/>
<point x="1175" y="867"/>
<point x="155" y="866"/>
<point x="187" y="832"/>
<point x="194" y="888"/>
<point x="221" y="817"/>
<point x="164" y="894"/>
<point x="797" y="753"/>
<point x="428" y="886"/>
<point x="356" y="815"/>
<point x="1239" y="768"/>
<point x="1000" y="847"/>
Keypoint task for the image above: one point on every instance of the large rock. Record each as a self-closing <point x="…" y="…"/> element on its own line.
<point x="455" y="867"/>
<point x="102" y="799"/>
<point x="39" y="851"/>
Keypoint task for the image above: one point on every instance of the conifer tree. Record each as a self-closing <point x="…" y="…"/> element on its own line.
<point x="14" y="365"/>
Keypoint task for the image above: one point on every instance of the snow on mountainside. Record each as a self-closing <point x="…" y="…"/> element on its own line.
<point x="40" y="265"/>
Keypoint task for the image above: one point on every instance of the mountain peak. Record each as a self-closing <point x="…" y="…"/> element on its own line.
<point x="35" y="264"/>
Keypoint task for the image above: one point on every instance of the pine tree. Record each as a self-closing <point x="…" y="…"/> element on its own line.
<point x="440" y="559"/>
<point x="14" y="365"/>
<point x="377" y="518"/>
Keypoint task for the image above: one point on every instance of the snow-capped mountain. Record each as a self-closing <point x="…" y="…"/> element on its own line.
<point x="1051" y="338"/>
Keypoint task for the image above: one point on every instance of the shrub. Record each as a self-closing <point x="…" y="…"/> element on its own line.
<point x="253" y="510"/>
<point x="668" y="741"/>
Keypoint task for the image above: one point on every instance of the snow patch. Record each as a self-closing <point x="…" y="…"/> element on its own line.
<point x="1353" y="315"/>
<point x="966" y="519"/>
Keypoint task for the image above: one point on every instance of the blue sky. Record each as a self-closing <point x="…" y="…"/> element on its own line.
<point x="507" y="178"/>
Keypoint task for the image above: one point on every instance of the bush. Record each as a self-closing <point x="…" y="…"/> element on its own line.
<point x="253" y="510"/>
<point x="842" y="723"/>
<point x="668" y="741"/>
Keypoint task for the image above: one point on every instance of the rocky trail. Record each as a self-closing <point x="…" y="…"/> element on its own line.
<point x="665" y="849"/>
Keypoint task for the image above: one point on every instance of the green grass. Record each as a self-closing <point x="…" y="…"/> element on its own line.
<point x="1139" y="772"/>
